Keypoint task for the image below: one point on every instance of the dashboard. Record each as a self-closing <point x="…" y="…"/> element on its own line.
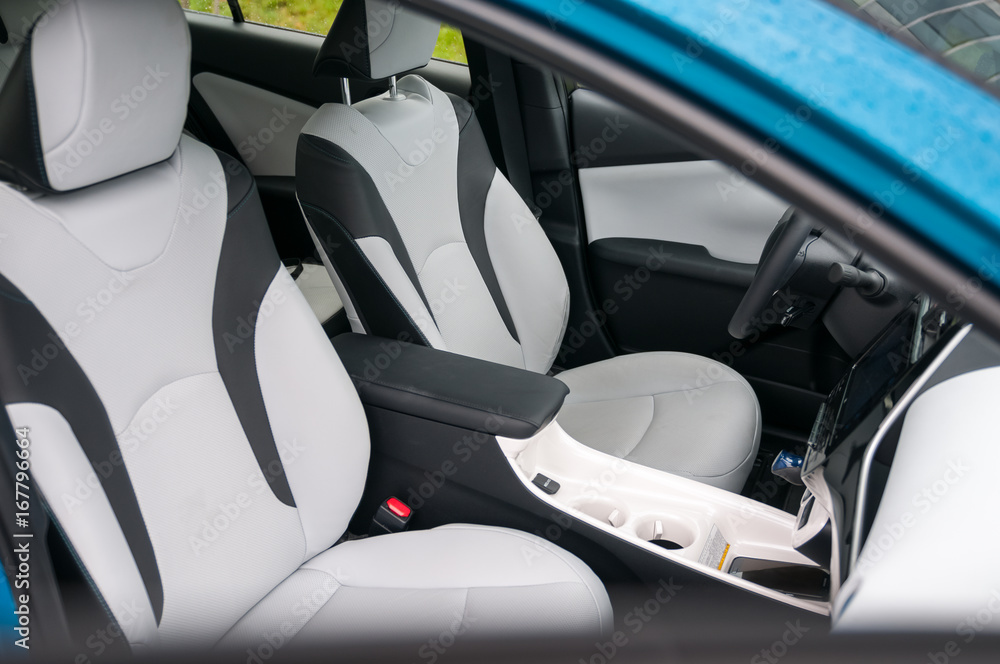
<point x="879" y="377"/>
<point x="861" y="411"/>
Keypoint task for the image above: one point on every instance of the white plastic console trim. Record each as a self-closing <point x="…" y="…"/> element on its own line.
<point x="883" y="428"/>
<point x="594" y="486"/>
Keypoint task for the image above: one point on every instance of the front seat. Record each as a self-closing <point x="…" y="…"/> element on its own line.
<point x="178" y="392"/>
<point x="425" y="238"/>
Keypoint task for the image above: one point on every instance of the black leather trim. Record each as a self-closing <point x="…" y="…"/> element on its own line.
<point x="345" y="52"/>
<point x="678" y="258"/>
<point x="21" y="160"/>
<point x="248" y="264"/>
<point x="449" y="388"/>
<point x="36" y="367"/>
<point x="476" y="171"/>
<point x="201" y="122"/>
<point x="378" y="309"/>
<point x="329" y="178"/>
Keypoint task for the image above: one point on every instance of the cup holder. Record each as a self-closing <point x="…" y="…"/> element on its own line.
<point x="604" y="510"/>
<point x="666" y="531"/>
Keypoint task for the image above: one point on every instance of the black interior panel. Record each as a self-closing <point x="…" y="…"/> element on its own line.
<point x="544" y="103"/>
<point x="595" y="117"/>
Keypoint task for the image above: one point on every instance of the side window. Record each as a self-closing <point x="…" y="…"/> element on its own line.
<point x="315" y="16"/>
<point x="966" y="33"/>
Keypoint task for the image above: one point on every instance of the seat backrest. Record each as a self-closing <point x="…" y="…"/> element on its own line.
<point x="423" y="236"/>
<point x="192" y="431"/>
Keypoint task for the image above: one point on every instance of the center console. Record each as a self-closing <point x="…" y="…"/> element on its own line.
<point x="455" y="428"/>
<point x="461" y="439"/>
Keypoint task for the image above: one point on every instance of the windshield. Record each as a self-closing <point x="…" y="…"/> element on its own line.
<point x="962" y="33"/>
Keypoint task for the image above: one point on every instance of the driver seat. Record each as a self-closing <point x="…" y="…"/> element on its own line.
<point x="427" y="241"/>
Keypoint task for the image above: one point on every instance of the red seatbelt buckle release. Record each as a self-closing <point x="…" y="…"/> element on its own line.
<point x="393" y="516"/>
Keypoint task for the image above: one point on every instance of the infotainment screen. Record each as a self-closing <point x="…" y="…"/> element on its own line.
<point x="875" y="379"/>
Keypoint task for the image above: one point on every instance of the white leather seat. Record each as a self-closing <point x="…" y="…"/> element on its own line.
<point x="673" y="411"/>
<point x="459" y="578"/>
<point x="424" y="238"/>
<point x="179" y="390"/>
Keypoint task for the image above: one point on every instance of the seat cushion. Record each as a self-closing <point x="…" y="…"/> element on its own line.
<point x="680" y="413"/>
<point x="473" y="581"/>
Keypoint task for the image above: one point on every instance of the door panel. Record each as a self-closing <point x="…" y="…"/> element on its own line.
<point x="691" y="202"/>
<point x="672" y="245"/>
<point x="262" y="125"/>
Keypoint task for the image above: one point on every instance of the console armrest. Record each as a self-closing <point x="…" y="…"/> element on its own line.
<point x="448" y="388"/>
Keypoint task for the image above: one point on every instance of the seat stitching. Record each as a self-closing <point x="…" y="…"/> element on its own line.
<point x="655" y="394"/>
<point x="652" y="416"/>
<point x="728" y="472"/>
<point x="437" y="248"/>
<point x="556" y="551"/>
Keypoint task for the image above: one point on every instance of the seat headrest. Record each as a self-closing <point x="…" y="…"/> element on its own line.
<point x="99" y="89"/>
<point x="375" y="39"/>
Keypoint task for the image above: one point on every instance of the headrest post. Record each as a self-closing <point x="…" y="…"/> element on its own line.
<point x="393" y="92"/>
<point x="345" y="90"/>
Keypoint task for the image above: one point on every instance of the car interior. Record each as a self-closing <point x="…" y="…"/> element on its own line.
<point x="336" y="335"/>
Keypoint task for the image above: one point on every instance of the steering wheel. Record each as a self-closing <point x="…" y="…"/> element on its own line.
<point x="774" y="269"/>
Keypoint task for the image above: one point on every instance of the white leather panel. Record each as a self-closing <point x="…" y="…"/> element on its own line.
<point x="263" y="126"/>
<point x="222" y="539"/>
<point x="111" y="319"/>
<point x="691" y="202"/>
<point x="936" y="521"/>
<point x="106" y="111"/>
<point x="73" y="492"/>
<point x="699" y="418"/>
<point x="464" y="309"/>
<point x="529" y="272"/>
<point x="485" y="581"/>
<point x="386" y="265"/>
<point x="317" y="420"/>
<point x="285" y="611"/>
<point x="152" y="195"/>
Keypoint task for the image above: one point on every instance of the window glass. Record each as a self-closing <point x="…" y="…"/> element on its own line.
<point x="964" y="32"/>
<point x="315" y="16"/>
<point x="220" y="7"/>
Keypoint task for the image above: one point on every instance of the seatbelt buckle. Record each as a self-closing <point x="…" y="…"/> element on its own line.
<point x="393" y="516"/>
